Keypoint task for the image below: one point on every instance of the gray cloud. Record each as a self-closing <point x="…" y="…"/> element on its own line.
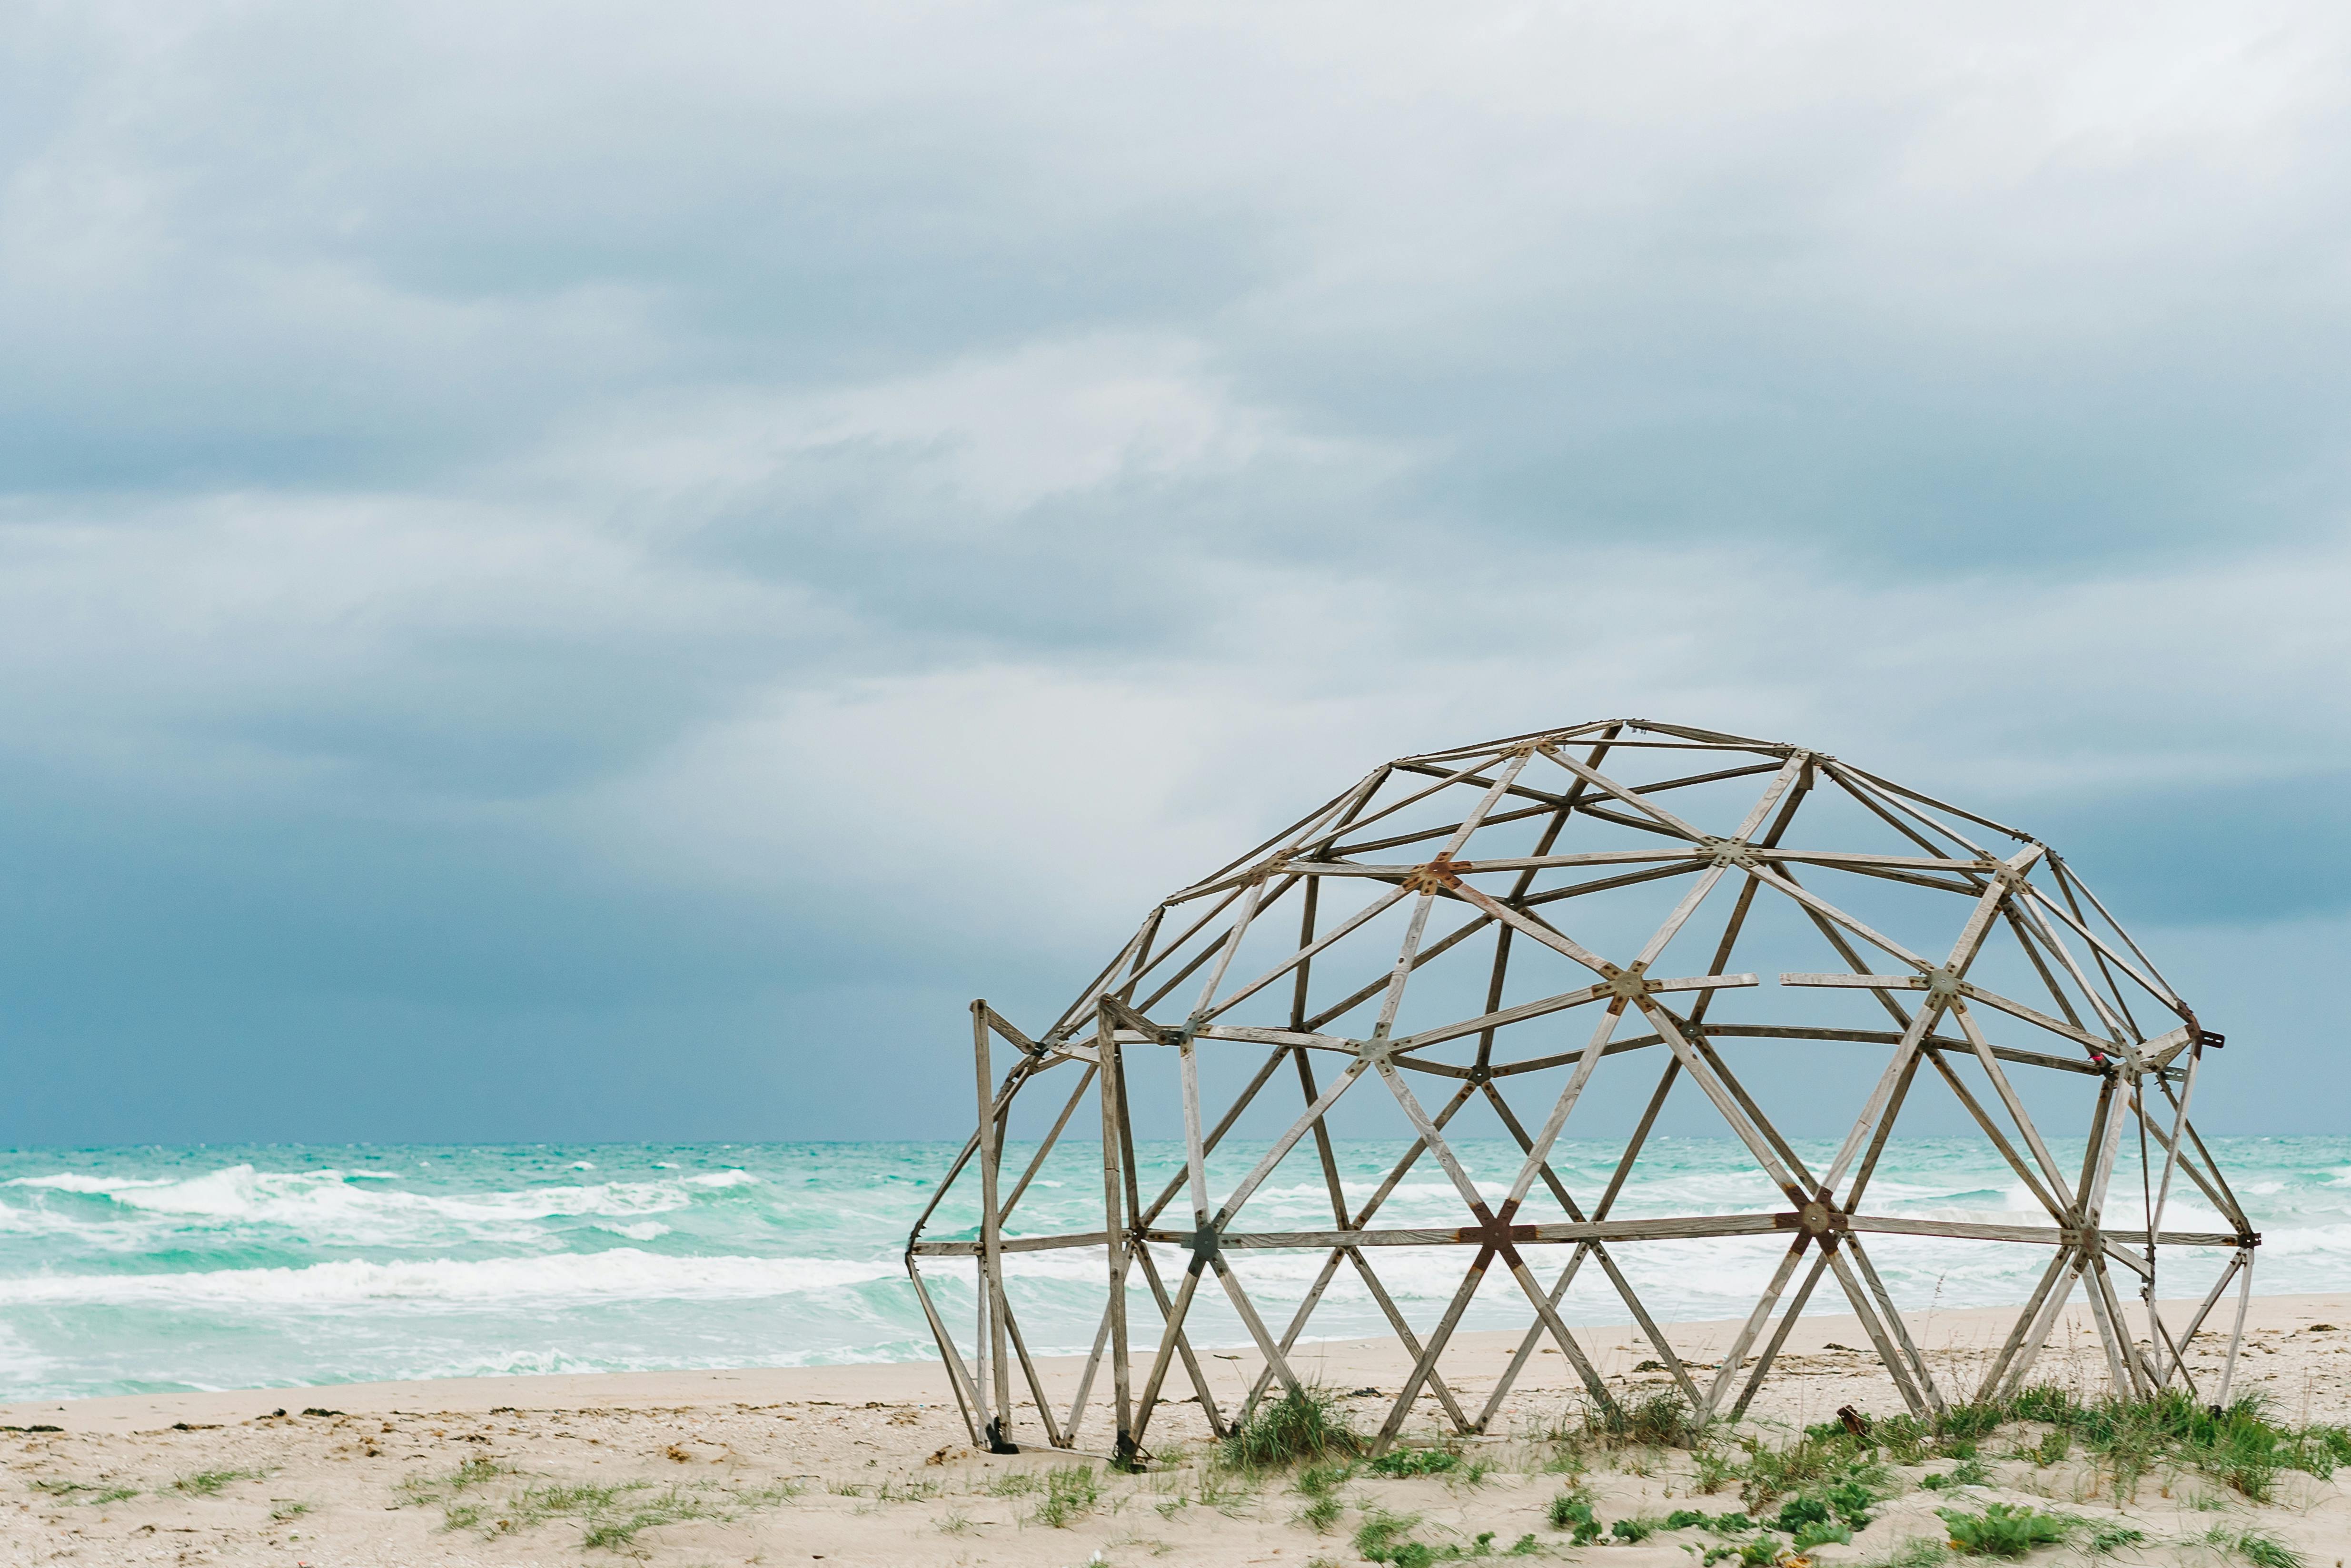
<point x="534" y="539"/>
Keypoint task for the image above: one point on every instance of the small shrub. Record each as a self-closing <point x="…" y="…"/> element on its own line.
<point x="1398" y="1464"/>
<point x="1572" y="1512"/>
<point x="2004" y="1529"/>
<point x="1823" y="1456"/>
<point x="1660" y="1421"/>
<point x="1968" y="1423"/>
<point x="1905" y="1440"/>
<point x="1387" y="1537"/>
<point x="1305" y="1423"/>
<point x="1967" y="1473"/>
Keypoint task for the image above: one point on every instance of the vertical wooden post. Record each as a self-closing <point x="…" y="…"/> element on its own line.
<point x="996" y="1429"/>
<point x="1113" y="1084"/>
<point x="2237" y="1332"/>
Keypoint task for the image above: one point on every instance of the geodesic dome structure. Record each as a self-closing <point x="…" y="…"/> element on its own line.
<point x="1759" y="934"/>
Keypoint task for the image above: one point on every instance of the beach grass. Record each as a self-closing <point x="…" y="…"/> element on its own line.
<point x="1306" y="1424"/>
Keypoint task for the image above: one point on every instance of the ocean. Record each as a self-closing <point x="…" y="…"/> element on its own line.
<point x="141" y="1270"/>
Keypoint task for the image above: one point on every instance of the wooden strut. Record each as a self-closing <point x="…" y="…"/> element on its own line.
<point x="1532" y="837"/>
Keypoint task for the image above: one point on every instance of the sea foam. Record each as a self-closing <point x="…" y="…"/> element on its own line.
<point x="154" y="1268"/>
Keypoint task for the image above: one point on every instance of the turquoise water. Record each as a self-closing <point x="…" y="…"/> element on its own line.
<point x="133" y="1269"/>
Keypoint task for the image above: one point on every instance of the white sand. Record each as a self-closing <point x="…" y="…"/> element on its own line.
<point x="880" y="1461"/>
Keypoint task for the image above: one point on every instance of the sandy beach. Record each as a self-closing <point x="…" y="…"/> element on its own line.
<point x="871" y="1465"/>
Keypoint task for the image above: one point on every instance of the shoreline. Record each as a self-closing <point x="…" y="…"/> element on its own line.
<point x="1953" y="1334"/>
<point x="871" y="1463"/>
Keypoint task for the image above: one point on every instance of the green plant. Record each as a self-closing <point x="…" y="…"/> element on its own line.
<point x="1567" y="1457"/>
<point x="1713" y="1470"/>
<point x="1823" y="1456"/>
<point x="1967" y="1473"/>
<point x="2006" y="1530"/>
<point x="1911" y="1551"/>
<point x="1572" y="1512"/>
<point x="1660" y="1421"/>
<point x="286" y="1510"/>
<point x="2111" y="1536"/>
<point x="610" y="1516"/>
<point x="208" y="1483"/>
<point x="908" y="1491"/>
<point x="1399" y="1463"/>
<point x="1319" y="1480"/>
<point x="1968" y="1423"/>
<point x="2258" y="1547"/>
<point x="1387" y="1537"/>
<point x="71" y="1491"/>
<point x="1696" y="1519"/>
<point x="1306" y="1423"/>
<point x="1070" y="1491"/>
<point x="609" y="1531"/>
<point x="1320" y="1485"/>
<point x="1904" y="1439"/>
<point x="1225" y="1491"/>
<point x="1800" y="1511"/>
<point x="477" y="1471"/>
<point x="2239" y="1445"/>
<point x="1012" y="1483"/>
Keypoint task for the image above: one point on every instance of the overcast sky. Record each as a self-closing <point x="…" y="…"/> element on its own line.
<point x="596" y="572"/>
